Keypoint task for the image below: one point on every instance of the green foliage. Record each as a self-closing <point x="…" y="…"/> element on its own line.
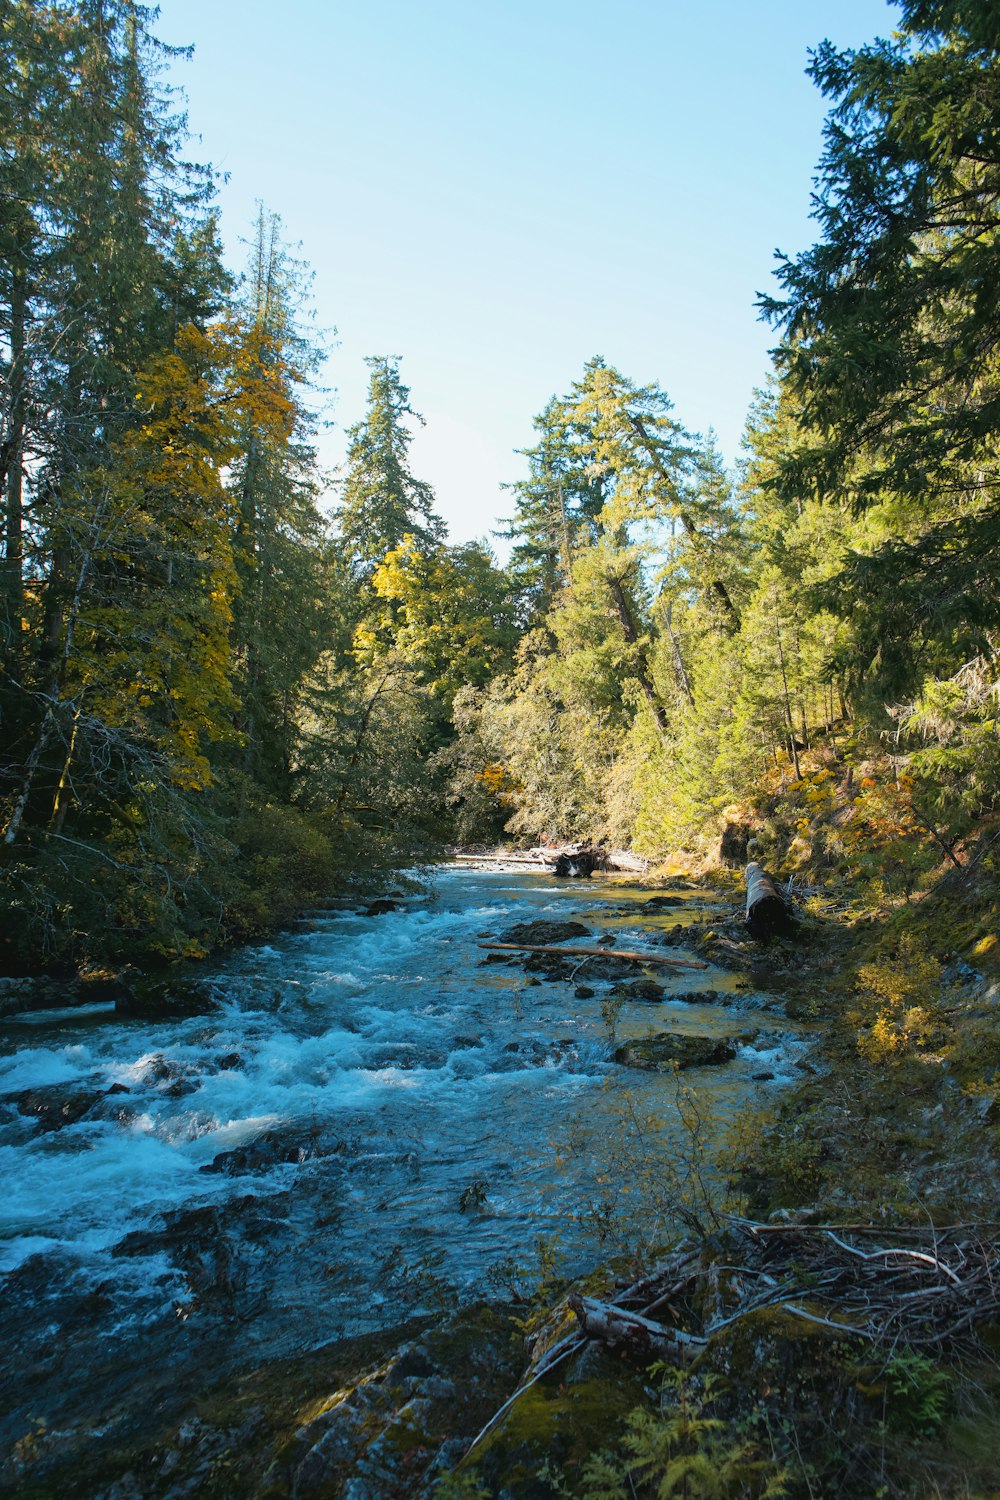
<point x="680" y="1447"/>
<point x="919" y="1391"/>
<point x="460" y="1484"/>
<point x="672" y="644"/>
<point x="897" y="1001"/>
<point x="381" y="501"/>
<point x="890" y="344"/>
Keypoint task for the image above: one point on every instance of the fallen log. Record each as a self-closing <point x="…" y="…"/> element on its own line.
<point x="631" y="957"/>
<point x="616" y="1326"/>
<point x="767" y="911"/>
<point x="572" y="860"/>
<point x="502" y="859"/>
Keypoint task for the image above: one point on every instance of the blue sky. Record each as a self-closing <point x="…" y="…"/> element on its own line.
<point x="498" y="192"/>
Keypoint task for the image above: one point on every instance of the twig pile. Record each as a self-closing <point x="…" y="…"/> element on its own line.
<point x="931" y="1288"/>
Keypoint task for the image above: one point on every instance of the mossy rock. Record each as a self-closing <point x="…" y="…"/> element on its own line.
<point x="165" y="998"/>
<point x="669" y="1049"/>
<point x="544" y="932"/>
<point x="641" y="989"/>
<point x="557" y="1425"/>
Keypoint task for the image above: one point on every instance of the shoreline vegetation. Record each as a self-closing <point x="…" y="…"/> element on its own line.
<point x="232" y="688"/>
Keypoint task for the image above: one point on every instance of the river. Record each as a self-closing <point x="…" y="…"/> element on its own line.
<point x="373" y="1124"/>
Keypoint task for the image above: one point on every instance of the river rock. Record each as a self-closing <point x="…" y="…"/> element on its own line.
<point x="58" y="1105"/>
<point x="176" y="1079"/>
<point x="544" y="932"/>
<point x="640" y="989"/>
<point x="185" y="1234"/>
<point x="548" y="965"/>
<point x="166" y="997"/>
<point x="42" y="992"/>
<point x="98" y="986"/>
<point x="271" y="1149"/>
<point x="607" y="968"/>
<point x="661" y="903"/>
<point x="660" y="1053"/>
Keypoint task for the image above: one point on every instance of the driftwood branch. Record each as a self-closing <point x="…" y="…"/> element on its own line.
<point x="932" y="1294"/>
<point x="555" y="1356"/>
<point x="572" y="951"/>
<point x="502" y="859"/>
<point x="933" y="1290"/>
<point x="616" y="1326"/>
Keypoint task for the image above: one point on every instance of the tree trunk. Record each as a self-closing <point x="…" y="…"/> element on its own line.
<point x="767" y="913"/>
<point x="48" y="723"/>
<point x="717" y="586"/>
<point x="792" y="746"/>
<point x="13" y="583"/>
<point x="682" y="676"/>
<point x="642" y="674"/>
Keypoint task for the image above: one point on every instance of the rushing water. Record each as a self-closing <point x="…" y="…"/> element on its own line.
<point x="372" y="1123"/>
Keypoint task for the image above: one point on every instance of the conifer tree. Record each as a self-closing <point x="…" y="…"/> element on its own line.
<point x="556" y="508"/>
<point x="283" y="603"/>
<point x="381" y="500"/>
<point x="891" y="328"/>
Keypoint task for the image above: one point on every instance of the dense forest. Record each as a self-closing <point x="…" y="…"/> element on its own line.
<point x="234" y="685"/>
<point x="231" y="681"/>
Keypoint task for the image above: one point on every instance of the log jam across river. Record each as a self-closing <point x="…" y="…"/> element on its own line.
<point x="371" y="1125"/>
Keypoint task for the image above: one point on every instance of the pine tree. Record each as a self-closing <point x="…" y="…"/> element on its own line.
<point x="556" y="509"/>
<point x="283" y="606"/>
<point x="891" y="326"/>
<point x="381" y="501"/>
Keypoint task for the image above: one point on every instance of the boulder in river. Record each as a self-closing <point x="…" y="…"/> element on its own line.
<point x="271" y="1149"/>
<point x="576" y="864"/>
<point x="42" y="992"/>
<point x="544" y="932"/>
<point x="660" y="1053"/>
<point x="166" y="998"/>
<point x="56" y="1105"/>
<point x="640" y="989"/>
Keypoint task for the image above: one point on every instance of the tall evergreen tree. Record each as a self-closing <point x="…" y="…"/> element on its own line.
<point x="381" y="500"/>
<point x="282" y="611"/>
<point x="556" y="510"/>
<point x="891" y="329"/>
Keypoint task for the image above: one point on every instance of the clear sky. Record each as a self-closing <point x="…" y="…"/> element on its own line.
<point x="496" y="192"/>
